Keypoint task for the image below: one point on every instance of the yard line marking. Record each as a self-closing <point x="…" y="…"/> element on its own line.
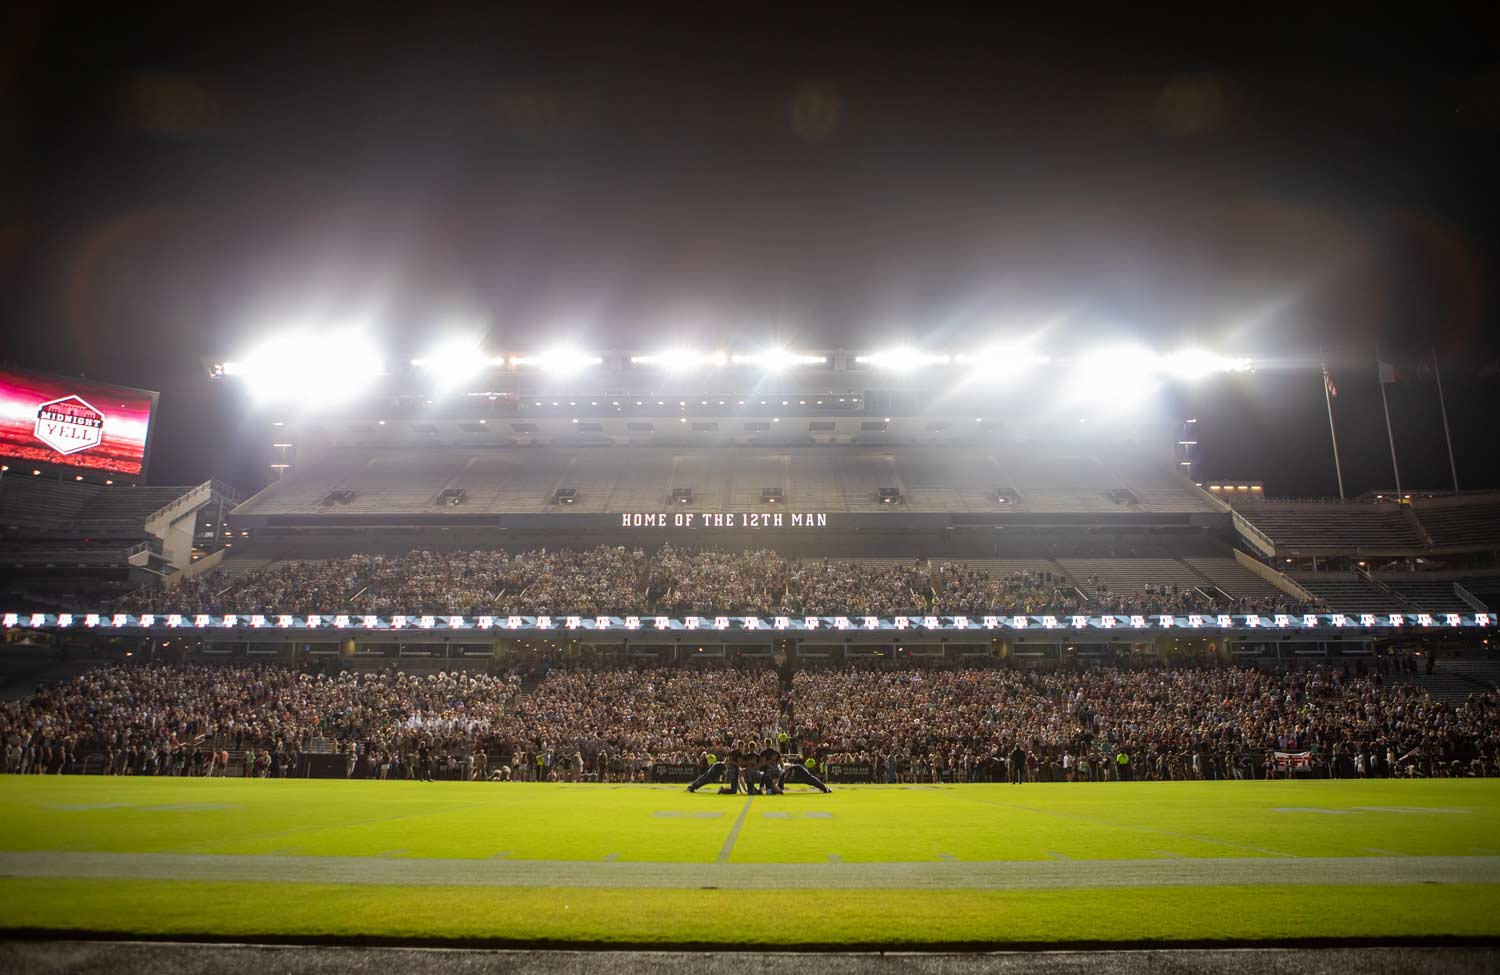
<point x="734" y="834"/>
<point x="611" y="857"/>
<point x="1482" y="849"/>
<point x="947" y="857"/>
<point x="908" y="875"/>
<point x="500" y="856"/>
<point x="1384" y="853"/>
<point x="1168" y="854"/>
<point x="390" y="853"/>
<point x="1058" y="856"/>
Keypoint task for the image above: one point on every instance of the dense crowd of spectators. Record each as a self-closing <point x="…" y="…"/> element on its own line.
<point x="828" y="587"/>
<point x="907" y="725"/>
<point x="616" y="724"/>
<point x="702" y="583"/>
<point x="588" y="582"/>
<point x="162" y="719"/>
<point x="966" y="590"/>
<point x="1169" y="723"/>
<point x="620" y="581"/>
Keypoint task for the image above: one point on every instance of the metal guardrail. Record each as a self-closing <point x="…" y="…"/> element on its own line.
<point x="1386" y="590"/>
<point x="1258" y="539"/>
<point x="1278" y="579"/>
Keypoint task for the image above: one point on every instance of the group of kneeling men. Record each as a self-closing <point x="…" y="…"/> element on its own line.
<point x="761" y="771"/>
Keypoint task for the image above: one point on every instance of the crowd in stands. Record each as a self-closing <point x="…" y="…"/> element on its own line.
<point x="705" y="582"/>
<point x="619" y="581"/>
<point x="176" y="719"/>
<point x="1156" y="723"/>
<point x="600" y="724"/>
<point x="831" y="588"/>
<point x="616" y="724"/>
<point x="600" y="580"/>
<point x="761" y="583"/>
<point x="970" y="591"/>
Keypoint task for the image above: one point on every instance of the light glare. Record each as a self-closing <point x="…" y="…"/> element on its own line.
<point x="1194" y="364"/>
<point x="682" y="360"/>
<point x="1002" y="361"/>
<point x="454" y="362"/>
<point x="776" y="360"/>
<point x="903" y="359"/>
<point x="1120" y="377"/>
<point x="315" y="369"/>
<point x="561" y="360"/>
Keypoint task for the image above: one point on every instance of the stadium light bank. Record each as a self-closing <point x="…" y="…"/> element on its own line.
<point x="332" y="367"/>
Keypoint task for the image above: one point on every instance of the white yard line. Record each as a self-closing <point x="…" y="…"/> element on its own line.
<point x="991" y="875"/>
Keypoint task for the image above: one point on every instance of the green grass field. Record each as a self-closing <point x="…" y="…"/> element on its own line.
<point x="889" y="865"/>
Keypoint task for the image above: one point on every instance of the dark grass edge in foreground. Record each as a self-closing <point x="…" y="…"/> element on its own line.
<point x="44" y="935"/>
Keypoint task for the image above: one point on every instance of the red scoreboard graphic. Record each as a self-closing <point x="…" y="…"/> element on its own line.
<point x="74" y="423"/>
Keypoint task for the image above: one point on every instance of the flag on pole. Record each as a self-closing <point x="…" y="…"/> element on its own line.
<point x="1389" y="373"/>
<point x="1329" y="392"/>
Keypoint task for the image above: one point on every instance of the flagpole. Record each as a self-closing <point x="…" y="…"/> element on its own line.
<point x="1438" y="375"/>
<point x="1338" y="469"/>
<point x="1390" y="436"/>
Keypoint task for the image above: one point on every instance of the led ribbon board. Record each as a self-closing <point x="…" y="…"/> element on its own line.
<point x="1153" y="623"/>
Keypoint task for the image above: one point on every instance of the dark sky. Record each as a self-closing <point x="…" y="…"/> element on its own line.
<point x="176" y="183"/>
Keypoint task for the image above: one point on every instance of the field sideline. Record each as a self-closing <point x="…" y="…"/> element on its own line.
<point x="871" y="865"/>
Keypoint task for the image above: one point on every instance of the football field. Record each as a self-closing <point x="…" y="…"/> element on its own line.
<point x="654" y="865"/>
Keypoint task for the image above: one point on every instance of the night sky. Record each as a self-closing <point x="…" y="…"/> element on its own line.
<point x="177" y="184"/>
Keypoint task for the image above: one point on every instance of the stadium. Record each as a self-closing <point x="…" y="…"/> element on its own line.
<point x="707" y="488"/>
<point x="445" y="678"/>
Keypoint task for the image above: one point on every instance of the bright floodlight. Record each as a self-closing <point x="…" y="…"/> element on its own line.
<point x="1004" y="361"/>
<point x="1118" y="377"/>
<point x="776" y="360"/>
<point x="1194" y="364"/>
<point x="561" y="360"/>
<point x="903" y="359"/>
<point x="314" y="369"/>
<point x="454" y="361"/>
<point x="682" y="360"/>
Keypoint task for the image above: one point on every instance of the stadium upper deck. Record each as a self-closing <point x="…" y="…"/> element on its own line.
<point x="447" y="482"/>
<point x="62" y="541"/>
